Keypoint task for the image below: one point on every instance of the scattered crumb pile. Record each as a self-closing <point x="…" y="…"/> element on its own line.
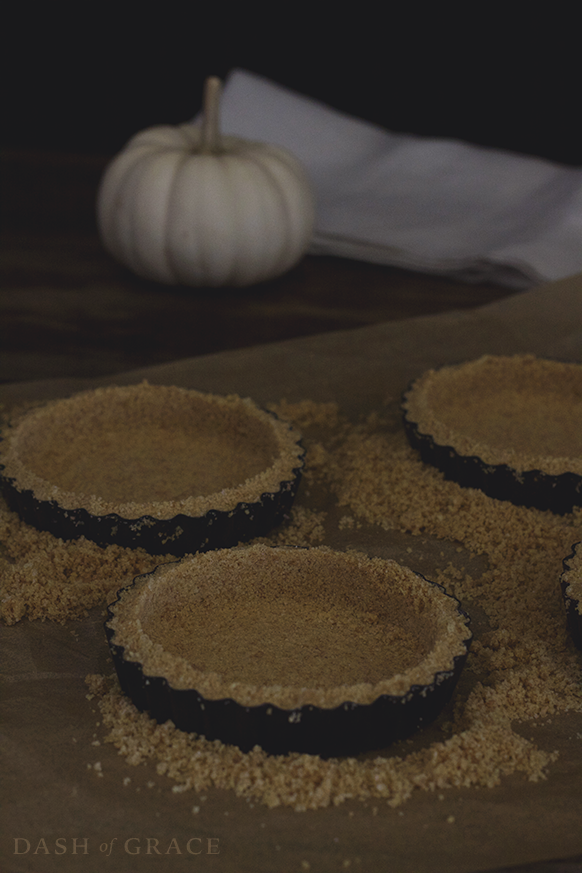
<point x="43" y="577"/>
<point x="480" y="756"/>
<point x="522" y="667"/>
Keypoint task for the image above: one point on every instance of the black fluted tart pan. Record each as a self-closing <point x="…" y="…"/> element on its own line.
<point x="509" y="426"/>
<point x="290" y="649"/>
<point x="167" y="469"/>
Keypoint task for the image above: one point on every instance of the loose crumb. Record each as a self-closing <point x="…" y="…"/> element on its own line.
<point x="348" y="522"/>
<point x="304" y="527"/>
<point x="309" y="413"/>
<point x="42" y="577"/>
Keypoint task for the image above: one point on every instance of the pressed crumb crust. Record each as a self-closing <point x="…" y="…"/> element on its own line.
<point x="149" y="450"/>
<point x="289" y="627"/>
<point x="522" y="411"/>
<point x="524" y="667"/>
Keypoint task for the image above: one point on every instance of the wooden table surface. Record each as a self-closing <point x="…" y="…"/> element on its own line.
<point x="66" y="308"/>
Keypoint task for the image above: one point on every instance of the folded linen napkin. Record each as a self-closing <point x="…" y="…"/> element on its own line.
<point x="435" y="205"/>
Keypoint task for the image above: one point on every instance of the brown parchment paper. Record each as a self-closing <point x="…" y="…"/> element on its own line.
<point x="73" y="820"/>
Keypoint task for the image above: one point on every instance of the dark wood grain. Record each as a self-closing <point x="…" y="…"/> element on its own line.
<point x="66" y="308"/>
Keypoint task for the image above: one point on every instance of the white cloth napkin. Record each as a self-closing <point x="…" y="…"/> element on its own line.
<point x="434" y="205"/>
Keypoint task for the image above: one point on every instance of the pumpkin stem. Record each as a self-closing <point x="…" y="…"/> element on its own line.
<point x="211" y="114"/>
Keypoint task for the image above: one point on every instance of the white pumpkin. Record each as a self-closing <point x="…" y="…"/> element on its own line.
<point x="185" y="205"/>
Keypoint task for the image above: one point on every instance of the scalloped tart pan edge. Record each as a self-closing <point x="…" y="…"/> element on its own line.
<point x="344" y="730"/>
<point x="180" y="534"/>
<point x="559" y="493"/>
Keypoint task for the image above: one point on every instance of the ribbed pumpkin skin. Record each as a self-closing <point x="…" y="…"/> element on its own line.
<point x="177" y="215"/>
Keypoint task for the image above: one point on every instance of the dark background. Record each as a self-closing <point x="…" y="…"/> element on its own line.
<point x="84" y="77"/>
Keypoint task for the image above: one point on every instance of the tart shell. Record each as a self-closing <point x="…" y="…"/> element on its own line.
<point x="571" y="584"/>
<point x="282" y="720"/>
<point x="168" y="525"/>
<point x="544" y="482"/>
